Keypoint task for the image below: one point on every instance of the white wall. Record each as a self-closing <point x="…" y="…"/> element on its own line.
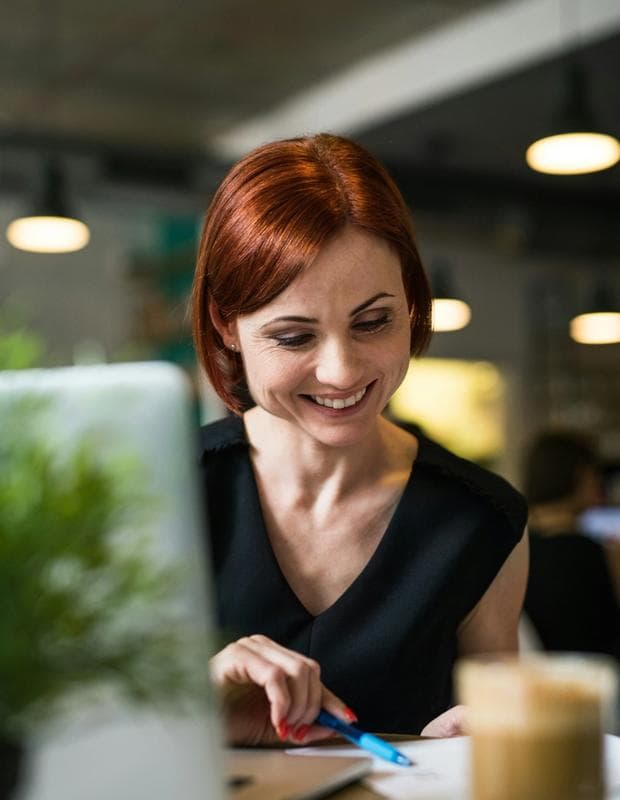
<point x="69" y="298"/>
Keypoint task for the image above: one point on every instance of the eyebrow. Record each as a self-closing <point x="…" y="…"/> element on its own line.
<point x="355" y="311"/>
<point x="369" y="302"/>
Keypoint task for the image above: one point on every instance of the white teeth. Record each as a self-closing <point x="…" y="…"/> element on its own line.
<point x="339" y="403"/>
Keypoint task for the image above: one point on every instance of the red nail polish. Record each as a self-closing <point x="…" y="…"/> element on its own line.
<point x="283" y="730"/>
<point x="349" y="714"/>
<point x="301" y="733"/>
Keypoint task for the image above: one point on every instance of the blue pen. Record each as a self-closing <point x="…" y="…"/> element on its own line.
<point x="362" y="739"/>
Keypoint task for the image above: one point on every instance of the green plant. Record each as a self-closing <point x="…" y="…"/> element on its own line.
<point x="20" y="347"/>
<point x="84" y="602"/>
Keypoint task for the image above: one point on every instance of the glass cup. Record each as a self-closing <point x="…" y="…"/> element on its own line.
<point x="537" y="725"/>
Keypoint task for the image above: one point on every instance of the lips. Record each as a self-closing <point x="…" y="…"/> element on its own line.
<point x="339" y="402"/>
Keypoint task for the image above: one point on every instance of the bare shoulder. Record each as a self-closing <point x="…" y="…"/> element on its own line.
<point x="492" y="624"/>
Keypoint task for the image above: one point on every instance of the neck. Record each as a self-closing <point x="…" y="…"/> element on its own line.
<point x="281" y="451"/>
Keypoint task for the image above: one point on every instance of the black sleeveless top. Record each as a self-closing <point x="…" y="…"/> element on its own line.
<point x="388" y="644"/>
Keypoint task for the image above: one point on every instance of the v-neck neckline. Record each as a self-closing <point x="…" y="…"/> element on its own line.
<point x="383" y="545"/>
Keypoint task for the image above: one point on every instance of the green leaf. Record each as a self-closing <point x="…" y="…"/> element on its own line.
<point x="83" y="602"/>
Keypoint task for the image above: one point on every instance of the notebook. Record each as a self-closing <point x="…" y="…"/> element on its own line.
<point x="142" y="413"/>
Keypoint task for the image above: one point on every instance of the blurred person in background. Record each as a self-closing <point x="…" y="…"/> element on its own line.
<point x="354" y="561"/>
<point x="571" y="599"/>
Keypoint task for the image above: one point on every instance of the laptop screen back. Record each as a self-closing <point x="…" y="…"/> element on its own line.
<point x="134" y="418"/>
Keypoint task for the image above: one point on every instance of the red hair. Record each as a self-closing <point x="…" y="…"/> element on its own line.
<point x="268" y="220"/>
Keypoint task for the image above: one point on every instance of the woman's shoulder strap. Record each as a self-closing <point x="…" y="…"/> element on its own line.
<point x="221" y="434"/>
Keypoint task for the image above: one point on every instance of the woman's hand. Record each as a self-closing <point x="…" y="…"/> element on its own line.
<point x="451" y="723"/>
<point x="270" y="693"/>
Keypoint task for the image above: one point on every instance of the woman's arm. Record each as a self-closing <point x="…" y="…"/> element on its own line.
<point x="270" y="693"/>
<point x="491" y="627"/>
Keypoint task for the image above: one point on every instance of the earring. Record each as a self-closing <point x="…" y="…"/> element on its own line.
<point x="233" y="346"/>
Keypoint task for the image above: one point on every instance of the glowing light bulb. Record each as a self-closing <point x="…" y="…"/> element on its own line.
<point x="573" y="153"/>
<point x="602" y="327"/>
<point x="450" y="314"/>
<point x="48" y="234"/>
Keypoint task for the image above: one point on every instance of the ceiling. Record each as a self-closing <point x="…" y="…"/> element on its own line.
<point x="448" y="93"/>
<point x="167" y="75"/>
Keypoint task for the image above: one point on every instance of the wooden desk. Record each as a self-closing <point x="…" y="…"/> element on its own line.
<point x="357" y="791"/>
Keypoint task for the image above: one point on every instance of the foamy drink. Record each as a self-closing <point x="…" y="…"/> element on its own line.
<point x="537" y="726"/>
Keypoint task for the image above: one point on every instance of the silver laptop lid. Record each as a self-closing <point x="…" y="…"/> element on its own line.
<point x="104" y="747"/>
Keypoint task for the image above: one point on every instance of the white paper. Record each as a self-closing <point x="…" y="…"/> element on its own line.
<point x="441" y="769"/>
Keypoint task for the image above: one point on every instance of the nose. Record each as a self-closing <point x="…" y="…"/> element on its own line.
<point x="338" y="365"/>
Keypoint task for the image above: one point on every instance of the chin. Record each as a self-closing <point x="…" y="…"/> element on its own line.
<point x="341" y="435"/>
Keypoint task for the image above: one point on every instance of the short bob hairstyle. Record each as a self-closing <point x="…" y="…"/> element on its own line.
<point x="268" y="220"/>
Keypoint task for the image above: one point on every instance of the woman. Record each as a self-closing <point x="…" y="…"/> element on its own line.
<point x="354" y="562"/>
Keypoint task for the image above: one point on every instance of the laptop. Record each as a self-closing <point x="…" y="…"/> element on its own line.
<point x="143" y="412"/>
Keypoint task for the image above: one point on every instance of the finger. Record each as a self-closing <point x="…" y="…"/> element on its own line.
<point x="286" y="674"/>
<point x="289" y="660"/>
<point x="240" y="664"/>
<point x="332" y="703"/>
<point x="451" y="723"/>
<point x="307" y="697"/>
<point x="313" y="706"/>
<point x="304" y="679"/>
<point x="315" y="697"/>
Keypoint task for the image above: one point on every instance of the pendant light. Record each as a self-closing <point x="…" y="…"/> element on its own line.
<point x="600" y="323"/>
<point x="450" y="312"/>
<point x="50" y="227"/>
<point x="576" y="145"/>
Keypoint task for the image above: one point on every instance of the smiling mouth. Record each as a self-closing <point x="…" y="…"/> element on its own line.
<point x="339" y="402"/>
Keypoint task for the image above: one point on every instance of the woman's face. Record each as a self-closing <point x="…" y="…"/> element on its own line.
<point x="328" y="353"/>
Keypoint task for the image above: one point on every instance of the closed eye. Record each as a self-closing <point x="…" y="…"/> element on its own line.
<point x="372" y="325"/>
<point x="297" y="340"/>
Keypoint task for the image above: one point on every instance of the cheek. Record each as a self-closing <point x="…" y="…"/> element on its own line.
<point x="269" y="373"/>
<point x="404" y="369"/>
<point x="402" y="358"/>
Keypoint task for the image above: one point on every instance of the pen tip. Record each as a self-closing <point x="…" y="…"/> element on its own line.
<point x="403" y="761"/>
